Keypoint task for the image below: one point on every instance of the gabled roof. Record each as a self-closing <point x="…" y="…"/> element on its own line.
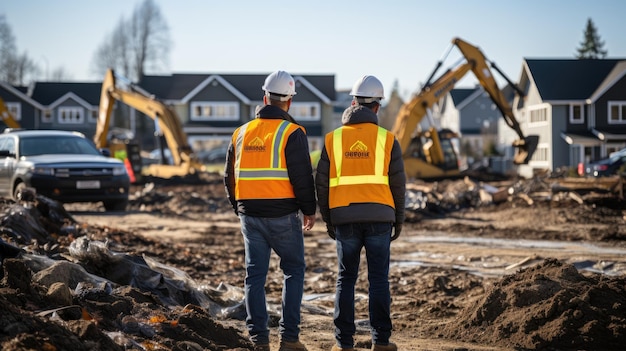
<point x="616" y="74"/>
<point x="47" y="93"/>
<point x="568" y="79"/>
<point x="460" y="94"/>
<point x="70" y="96"/>
<point x="177" y="87"/>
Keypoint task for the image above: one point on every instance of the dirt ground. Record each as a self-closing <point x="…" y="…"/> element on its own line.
<point x="547" y="273"/>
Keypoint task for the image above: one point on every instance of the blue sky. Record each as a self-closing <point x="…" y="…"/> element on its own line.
<point x="397" y="41"/>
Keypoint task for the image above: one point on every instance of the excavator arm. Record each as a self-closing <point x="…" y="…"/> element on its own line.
<point x="526" y="145"/>
<point x="436" y="154"/>
<point x="169" y="123"/>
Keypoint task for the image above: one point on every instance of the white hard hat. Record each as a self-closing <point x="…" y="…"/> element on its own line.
<point x="368" y="89"/>
<point x="280" y="85"/>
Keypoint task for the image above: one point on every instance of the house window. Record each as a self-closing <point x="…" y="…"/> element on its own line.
<point x="71" y="115"/>
<point x="541" y="154"/>
<point x="46" y="116"/>
<point x="576" y="113"/>
<point x="617" y="112"/>
<point x="305" y="111"/>
<point x="15" y="109"/>
<point x="538" y="115"/>
<point x="93" y="116"/>
<point x="214" y="111"/>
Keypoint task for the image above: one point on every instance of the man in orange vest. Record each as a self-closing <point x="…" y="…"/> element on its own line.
<point x="269" y="181"/>
<point x="360" y="188"/>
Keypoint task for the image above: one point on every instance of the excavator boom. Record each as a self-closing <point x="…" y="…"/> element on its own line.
<point x="437" y="157"/>
<point x="169" y="123"/>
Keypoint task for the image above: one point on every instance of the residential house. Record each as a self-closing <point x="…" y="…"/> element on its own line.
<point x="67" y="105"/>
<point x="576" y="107"/>
<point x="212" y="106"/>
<point x="472" y="114"/>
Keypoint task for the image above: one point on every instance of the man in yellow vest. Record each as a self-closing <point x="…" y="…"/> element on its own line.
<point x="269" y="181"/>
<point x="360" y="188"/>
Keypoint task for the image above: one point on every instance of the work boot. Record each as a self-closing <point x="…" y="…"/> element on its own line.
<point x="389" y="347"/>
<point x="291" y="346"/>
<point x="339" y="348"/>
<point x="261" y="347"/>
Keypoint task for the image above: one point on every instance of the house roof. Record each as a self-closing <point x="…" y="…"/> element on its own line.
<point x="178" y="86"/>
<point x="48" y="93"/>
<point x="568" y="79"/>
<point x="460" y="94"/>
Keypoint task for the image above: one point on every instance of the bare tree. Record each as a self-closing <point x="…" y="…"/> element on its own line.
<point x="591" y="46"/>
<point x="7" y="48"/>
<point x="139" y="44"/>
<point x="114" y="52"/>
<point x="60" y="74"/>
<point x="15" y="68"/>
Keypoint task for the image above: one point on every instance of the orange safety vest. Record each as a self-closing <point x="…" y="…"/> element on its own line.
<point x="260" y="164"/>
<point x="359" y="157"/>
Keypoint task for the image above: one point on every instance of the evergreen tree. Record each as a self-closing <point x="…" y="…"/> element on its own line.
<point x="591" y="47"/>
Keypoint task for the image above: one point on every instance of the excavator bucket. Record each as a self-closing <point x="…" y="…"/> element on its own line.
<point x="525" y="149"/>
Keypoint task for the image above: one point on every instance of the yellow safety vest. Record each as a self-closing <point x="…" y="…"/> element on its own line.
<point x="260" y="164"/>
<point x="359" y="157"/>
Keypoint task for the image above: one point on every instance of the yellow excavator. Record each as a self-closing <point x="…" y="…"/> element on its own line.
<point x="7" y="117"/>
<point x="183" y="158"/>
<point x="430" y="153"/>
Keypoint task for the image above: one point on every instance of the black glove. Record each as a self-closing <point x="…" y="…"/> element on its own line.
<point x="331" y="231"/>
<point x="397" y="229"/>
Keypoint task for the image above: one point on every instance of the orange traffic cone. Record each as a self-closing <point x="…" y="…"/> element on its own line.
<point x="129" y="169"/>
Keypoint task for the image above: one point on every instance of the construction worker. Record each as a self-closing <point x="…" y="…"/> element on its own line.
<point x="360" y="185"/>
<point x="269" y="181"/>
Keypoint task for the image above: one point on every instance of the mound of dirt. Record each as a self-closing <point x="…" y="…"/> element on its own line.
<point x="550" y="306"/>
<point x="79" y="278"/>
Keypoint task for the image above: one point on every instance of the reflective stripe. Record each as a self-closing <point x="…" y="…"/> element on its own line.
<point x="279" y="137"/>
<point x="376" y="178"/>
<point x="260" y="173"/>
<point x="239" y="148"/>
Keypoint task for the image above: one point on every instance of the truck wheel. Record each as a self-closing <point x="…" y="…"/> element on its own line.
<point x="24" y="193"/>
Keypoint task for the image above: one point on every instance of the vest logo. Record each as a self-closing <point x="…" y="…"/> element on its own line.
<point x="357" y="150"/>
<point x="255" y="145"/>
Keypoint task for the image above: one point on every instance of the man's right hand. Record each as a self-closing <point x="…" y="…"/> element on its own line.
<point x="397" y="229"/>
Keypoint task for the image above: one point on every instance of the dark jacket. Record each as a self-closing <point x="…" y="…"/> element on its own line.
<point x="362" y="212"/>
<point x="299" y="170"/>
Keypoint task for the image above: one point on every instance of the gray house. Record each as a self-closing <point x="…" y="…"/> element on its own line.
<point x="67" y="106"/>
<point x="54" y="105"/>
<point x="577" y="107"/>
<point x="212" y="106"/>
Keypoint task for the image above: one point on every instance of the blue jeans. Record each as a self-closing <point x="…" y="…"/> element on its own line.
<point x="351" y="238"/>
<point x="284" y="236"/>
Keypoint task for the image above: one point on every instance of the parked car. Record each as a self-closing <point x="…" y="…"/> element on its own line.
<point x="612" y="165"/>
<point x="211" y="156"/>
<point x="64" y="166"/>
